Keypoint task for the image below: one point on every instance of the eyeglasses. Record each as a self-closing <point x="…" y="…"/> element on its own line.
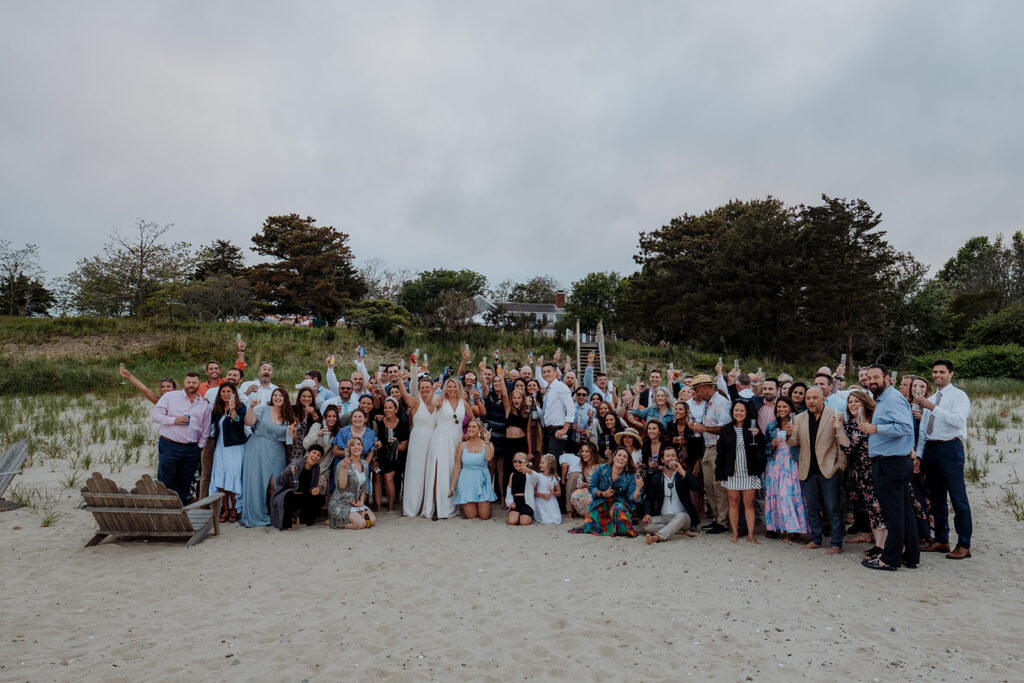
<point x="582" y="393"/>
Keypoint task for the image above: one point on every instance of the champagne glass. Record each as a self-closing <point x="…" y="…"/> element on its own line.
<point x="122" y="366"/>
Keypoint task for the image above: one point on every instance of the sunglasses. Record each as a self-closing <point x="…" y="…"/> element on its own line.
<point x="519" y="462"/>
<point x="581" y="394"/>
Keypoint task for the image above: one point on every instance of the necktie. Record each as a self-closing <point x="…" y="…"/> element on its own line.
<point x="931" y="415"/>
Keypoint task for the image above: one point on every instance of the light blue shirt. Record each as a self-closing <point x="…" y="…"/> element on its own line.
<point x="895" y="423"/>
<point x="837" y="402"/>
<point x="588" y="382"/>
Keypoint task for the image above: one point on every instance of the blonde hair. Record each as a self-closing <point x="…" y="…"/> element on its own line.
<point x="548" y="458"/>
<point x="444" y="390"/>
<point x="348" y="446"/>
<point x="480" y="425"/>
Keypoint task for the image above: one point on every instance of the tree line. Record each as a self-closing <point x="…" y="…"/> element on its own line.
<point x="755" y="277"/>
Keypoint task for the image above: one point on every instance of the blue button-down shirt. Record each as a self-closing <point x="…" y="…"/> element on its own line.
<point x="895" y="424"/>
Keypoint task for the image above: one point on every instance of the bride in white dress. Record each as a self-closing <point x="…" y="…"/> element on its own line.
<point x="424" y="419"/>
<point x="450" y="411"/>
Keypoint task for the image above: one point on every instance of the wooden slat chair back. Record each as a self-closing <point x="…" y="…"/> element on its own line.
<point x="150" y="510"/>
<point x="10" y="464"/>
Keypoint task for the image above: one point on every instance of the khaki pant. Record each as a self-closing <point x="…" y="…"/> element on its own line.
<point x="572" y="480"/>
<point x="667" y="526"/>
<point x="717" y="497"/>
<point x="206" y="471"/>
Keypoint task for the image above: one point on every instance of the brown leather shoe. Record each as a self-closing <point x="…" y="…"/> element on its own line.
<point x="959" y="553"/>
<point x="936" y="547"/>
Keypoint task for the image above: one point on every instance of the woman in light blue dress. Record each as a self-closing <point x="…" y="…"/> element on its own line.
<point x="264" y="455"/>
<point x="471" y="481"/>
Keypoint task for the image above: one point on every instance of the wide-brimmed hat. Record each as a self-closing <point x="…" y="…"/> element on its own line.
<point x="306" y="384"/>
<point x="629" y="431"/>
<point x="702" y="379"/>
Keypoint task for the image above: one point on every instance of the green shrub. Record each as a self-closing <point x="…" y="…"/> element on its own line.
<point x="1006" y="361"/>
<point x="1003" y="327"/>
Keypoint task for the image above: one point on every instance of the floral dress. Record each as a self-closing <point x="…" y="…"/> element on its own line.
<point x="784" y="507"/>
<point x="860" y="486"/>
<point x="340" y="506"/>
<point x="580" y="498"/>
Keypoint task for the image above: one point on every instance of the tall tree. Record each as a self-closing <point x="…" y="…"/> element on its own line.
<point x="852" y="276"/>
<point x="382" y="281"/>
<point x="314" y="272"/>
<point x="21" y="289"/>
<point x="597" y="297"/>
<point x="221" y="257"/>
<point x="422" y="296"/>
<point x="134" y="275"/>
<point x="539" y="289"/>
<point x="721" y="280"/>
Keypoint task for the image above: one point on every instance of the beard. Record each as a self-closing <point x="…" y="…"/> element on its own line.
<point x="876" y="391"/>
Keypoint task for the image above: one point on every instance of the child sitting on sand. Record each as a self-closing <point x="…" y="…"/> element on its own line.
<point x="546" y="507"/>
<point x="519" y="494"/>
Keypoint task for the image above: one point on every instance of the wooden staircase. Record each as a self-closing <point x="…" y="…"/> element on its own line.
<point x="587" y="342"/>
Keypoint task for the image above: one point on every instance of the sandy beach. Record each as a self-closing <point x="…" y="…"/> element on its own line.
<point x="459" y="600"/>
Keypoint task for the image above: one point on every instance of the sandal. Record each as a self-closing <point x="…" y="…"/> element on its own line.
<point x="224" y="516"/>
<point x="878" y="564"/>
<point x="873" y="552"/>
<point x="233" y="517"/>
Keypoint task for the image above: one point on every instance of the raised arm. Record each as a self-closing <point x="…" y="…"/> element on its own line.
<point x="146" y="391"/>
<point x="413" y="402"/>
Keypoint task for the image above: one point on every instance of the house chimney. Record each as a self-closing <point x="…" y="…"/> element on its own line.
<point x="560" y="299"/>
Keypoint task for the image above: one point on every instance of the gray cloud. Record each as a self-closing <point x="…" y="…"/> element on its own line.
<point x="435" y="132"/>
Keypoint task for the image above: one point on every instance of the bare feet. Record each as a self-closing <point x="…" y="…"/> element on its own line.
<point x="861" y="538"/>
<point x="835" y="550"/>
<point x="689" y="534"/>
<point x="753" y="540"/>
<point x="810" y="546"/>
<point x="649" y="539"/>
<point x="734" y="539"/>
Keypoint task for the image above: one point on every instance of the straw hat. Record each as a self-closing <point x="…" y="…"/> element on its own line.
<point x="630" y="432"/>
<point x="702" y="379"/>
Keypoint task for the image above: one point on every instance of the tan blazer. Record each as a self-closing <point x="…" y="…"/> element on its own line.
<point x="830" y="456"/>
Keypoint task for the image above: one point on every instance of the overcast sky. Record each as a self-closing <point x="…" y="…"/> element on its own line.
<point x="514" y="138"/>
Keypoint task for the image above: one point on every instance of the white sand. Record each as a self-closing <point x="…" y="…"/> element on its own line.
<point x="415" y="600"/>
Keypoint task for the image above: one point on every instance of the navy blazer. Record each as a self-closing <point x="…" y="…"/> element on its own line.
<point x="725" y="461"/>
<point x="234" y="431"/>
<point x="654" y="494"/>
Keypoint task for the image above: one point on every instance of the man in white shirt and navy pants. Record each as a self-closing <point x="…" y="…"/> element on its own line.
<point x="558" y="411"/>
<point x="940" y="444"/>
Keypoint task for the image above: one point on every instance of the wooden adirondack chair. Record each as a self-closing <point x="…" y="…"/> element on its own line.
<point x="149" y="511"/>
<point x="10" y="464"/>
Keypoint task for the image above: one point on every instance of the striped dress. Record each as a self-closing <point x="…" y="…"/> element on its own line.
<point x="740" y="480"/>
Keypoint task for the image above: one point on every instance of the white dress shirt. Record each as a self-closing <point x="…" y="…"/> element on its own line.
<point x="558" y="405"/>
<point x="263" y="393"/>
<point x="950" y="413"/>
<point x="671" y="504"/>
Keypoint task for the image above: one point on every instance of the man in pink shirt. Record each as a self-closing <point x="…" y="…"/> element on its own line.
<point x="184" y="419"/>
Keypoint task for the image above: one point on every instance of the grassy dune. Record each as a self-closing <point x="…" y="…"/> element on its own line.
<point x="76" y="356"/>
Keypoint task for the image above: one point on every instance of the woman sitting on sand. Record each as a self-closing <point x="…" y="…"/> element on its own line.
<point x="347" y="508"/>
<point x="580" y="497"/>
<point x="615" y="491"/>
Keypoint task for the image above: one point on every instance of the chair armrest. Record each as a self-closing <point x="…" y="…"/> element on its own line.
<point x="205" y="501"/>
